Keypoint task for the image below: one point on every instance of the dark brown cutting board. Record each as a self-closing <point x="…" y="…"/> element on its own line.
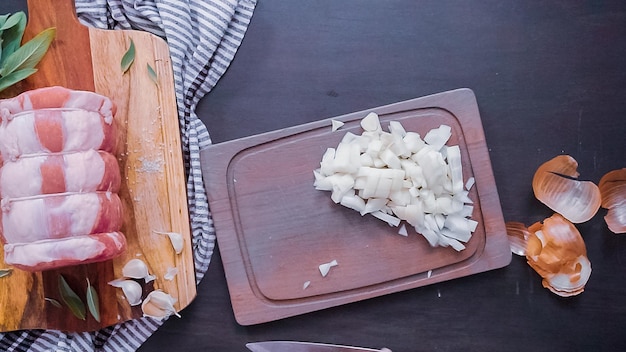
<point x="274" y="229"/>
<point x="150" y="155"/>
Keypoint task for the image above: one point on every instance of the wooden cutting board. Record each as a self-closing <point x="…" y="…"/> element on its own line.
<point x="274" y="229"/>
<point x="150" y="155"/>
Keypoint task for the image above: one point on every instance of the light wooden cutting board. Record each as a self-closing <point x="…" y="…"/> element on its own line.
<point x="149" y="151"/>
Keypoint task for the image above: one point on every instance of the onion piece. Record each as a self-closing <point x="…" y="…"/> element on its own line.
<point x="555" y="185"/>
<point x="556" y="251"/>
<point x="336" y="125"/>
<point x="325" y="268"/>
<point x="613" y="191"/>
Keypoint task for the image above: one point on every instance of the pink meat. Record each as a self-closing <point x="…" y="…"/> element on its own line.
<point x="55" y="131"/>
<point x="58" y="97"/>
<point x="60" y="215"/>
<point x="87" y="171"/>
<point x="50" y="254"/>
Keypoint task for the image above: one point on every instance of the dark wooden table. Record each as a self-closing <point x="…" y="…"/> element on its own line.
<point x="550" y="78"/>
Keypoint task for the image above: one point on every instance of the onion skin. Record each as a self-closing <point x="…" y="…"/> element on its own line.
<point x="557" y="252"/>
<point x="518" y="235"/>
<point x="613" y="191"/>
<point x="555" y="185"/>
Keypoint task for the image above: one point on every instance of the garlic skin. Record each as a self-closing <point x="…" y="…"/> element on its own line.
<point x="159" y="305"/>
<point x="175" y="238"/>
<point x="556" y="186"/>
<point x="556" y="251"/>
<point x="132" y="290"/>
<point x="170" y="273"/>
<point x="613" y="191"/>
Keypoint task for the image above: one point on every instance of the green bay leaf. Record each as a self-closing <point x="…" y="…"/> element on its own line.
<point x="29" y="54"/>
<point x="14" y="77"/>
<point x="152" y="74"/>
<point x="129" y="57"/>
<point x="14" y="20"/>
<point x="71" y="299"/>
<point x="53" y="301"/>
<point x="5" y="272"/>
<point x="93" y="302"/>
<point x="12" y="37"/>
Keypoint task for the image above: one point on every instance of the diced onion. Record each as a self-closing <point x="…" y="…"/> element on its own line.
<point x="397" y="176"/>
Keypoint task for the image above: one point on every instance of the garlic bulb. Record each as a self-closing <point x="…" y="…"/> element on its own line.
<point x="132" y="290"/>
<point x="159" y="305"/>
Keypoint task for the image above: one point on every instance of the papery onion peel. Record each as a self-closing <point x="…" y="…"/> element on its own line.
<point x="556" y="185"/>
<point x="556" y="251"/>
<point x="613" y="191"/>
<point x="517" y="234"/>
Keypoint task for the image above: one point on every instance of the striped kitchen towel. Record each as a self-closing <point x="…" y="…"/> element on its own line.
<point x="203" y="37"/>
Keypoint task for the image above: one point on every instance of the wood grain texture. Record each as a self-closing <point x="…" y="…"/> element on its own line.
<point x="150" y="155"/>
<point x="274" y="229"/>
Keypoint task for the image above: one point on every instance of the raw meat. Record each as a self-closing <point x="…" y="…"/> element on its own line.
<point x="58" y="97"/>
<point x="87" y="171"/>
<point x="59" y="179"/>
<point x="60" y="215"/>
<point x="55" y="131"/>
<point x="50" y="254"/>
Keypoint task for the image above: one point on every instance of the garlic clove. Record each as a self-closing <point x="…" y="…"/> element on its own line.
<point x="132" y="290"/>
<point x="175" y="238"/>
<point x="556" y="185"/>
<point x="135" y="269"/>
<point x="613" y="191"/>
<point x="159" y="305"/>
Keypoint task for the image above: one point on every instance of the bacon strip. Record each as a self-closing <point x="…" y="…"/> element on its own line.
<point x="60" y="215"/>
<point x="58" y="97"/>
<point x="49" y="254"/>
<point x="55" y="131"/>
<point x="87" y="171"/>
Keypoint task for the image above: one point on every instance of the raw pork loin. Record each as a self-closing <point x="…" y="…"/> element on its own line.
<point x="59" y="180"/>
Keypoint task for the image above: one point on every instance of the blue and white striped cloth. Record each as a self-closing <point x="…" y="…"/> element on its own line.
<point x="203" y="37"/>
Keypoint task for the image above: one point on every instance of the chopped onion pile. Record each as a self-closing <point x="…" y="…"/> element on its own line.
<point x="397" y="176"/>
<point x="613" y="190"/>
